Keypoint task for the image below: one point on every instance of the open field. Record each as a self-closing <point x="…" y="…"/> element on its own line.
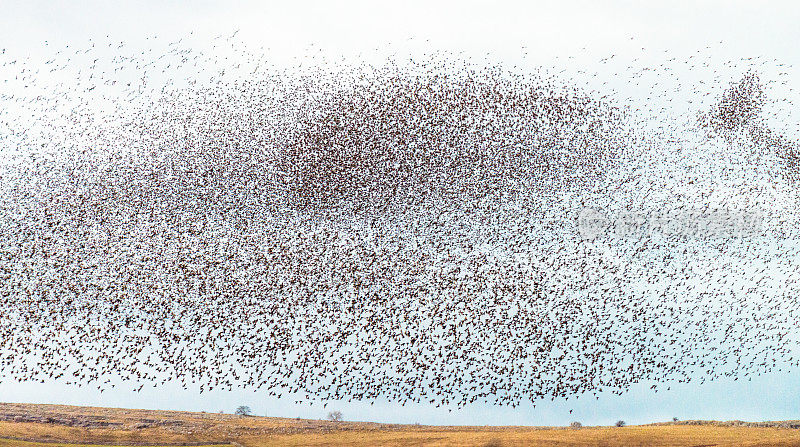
<point x="27" y="425"/>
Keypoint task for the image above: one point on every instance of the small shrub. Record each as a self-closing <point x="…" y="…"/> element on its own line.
<point x="575" y="424"/>
<point x="620" y="424"/>
<point x="674" y="419"/>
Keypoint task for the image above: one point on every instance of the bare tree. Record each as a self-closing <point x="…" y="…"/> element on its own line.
<point x="575" y="424"/>
<point x="243" y="410"/>
<point x="335" y="416"/>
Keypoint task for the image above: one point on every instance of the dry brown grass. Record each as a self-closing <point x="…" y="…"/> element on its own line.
<point x="85" y="426"/>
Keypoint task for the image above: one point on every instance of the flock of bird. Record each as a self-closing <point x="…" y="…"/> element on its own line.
<point x="437" y="231"/>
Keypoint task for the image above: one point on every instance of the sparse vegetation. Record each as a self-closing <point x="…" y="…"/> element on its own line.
<point x="620" y="423"/>
<point x="575" y="424"/>
<point x="159" y="428"/>
<point x="335" y="416"/>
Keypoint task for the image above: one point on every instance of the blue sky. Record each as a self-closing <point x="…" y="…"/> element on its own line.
<point x="528" y="34"/>
<point x="767" y="397"/>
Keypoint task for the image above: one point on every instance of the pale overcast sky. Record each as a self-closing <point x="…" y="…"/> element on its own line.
<point x="497" y="30"/>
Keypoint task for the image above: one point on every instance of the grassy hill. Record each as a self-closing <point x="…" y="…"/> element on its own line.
<point x="28" y="425"/>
